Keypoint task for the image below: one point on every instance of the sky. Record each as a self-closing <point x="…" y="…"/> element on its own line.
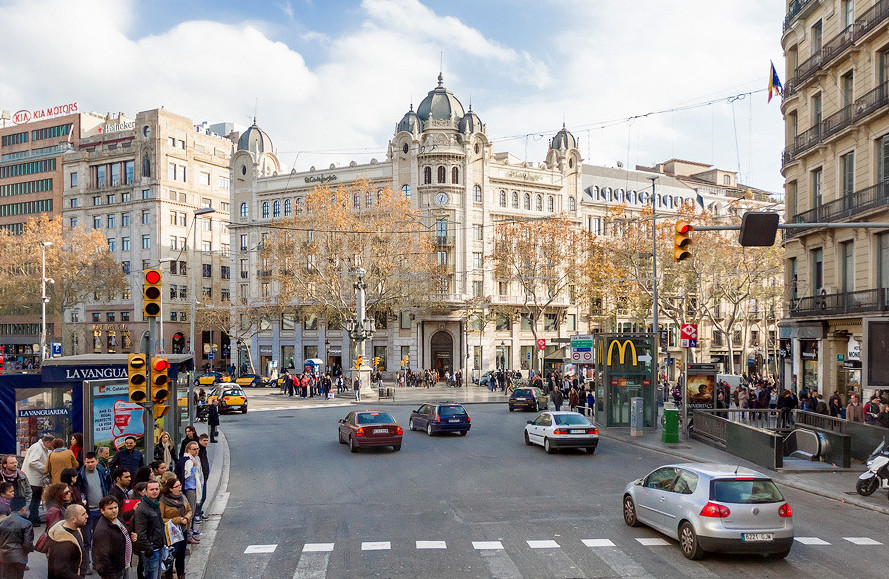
<point x="636" y="82"/>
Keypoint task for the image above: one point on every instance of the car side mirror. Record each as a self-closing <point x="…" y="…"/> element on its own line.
<point x="530" y="422"/>
<point x="638" y="482"/>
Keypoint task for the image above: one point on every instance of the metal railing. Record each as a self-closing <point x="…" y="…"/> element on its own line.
<point x="829" y="51"/>
<point x="821" y="421"/>
<point x="861" y="201"/>
<point x="793" y="10"/>
<point x="710" y="426"/>
<point x="863" y="301"/>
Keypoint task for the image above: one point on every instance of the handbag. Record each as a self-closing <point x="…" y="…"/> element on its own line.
<point x="168" y="557"/>
<point x="42" y="544"/>
<point x="174" y="533"/>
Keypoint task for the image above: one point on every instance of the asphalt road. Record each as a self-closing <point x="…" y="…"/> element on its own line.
<point x="484" y="505"/>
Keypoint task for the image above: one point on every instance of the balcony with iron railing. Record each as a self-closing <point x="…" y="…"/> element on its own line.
<point x="830" y="127"/>
<point x="795" y="10"/>
<point x="843" y="303"/>
<point x="862" y="201"/>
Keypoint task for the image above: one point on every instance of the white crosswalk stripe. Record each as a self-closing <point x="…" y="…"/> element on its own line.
<point x="487" y="545"/>
<point x="862" y="541"/>
<point x="376" y="546"/>
<point x="548" y="544"/>
<point x="652" y="542"/>
<point x="432" y="545"/>
<point x="260" y="549"/>
<point x="598" y="542"/>
<point x="318" y="547"/>
<point x="812" y="541"/>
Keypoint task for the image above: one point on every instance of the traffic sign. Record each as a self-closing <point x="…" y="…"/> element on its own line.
<point x="576" y="356"/>
<point x="688" y="335"/>
<point x="210" y="356"/>
<point x="587" y="356"/>
<point x="541" y="343"/>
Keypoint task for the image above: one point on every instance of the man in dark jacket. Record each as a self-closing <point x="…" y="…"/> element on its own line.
<point x="112" y="542"/>
<point x="213" y="419"/>
<point x="128" y="457"/>
<point x="95" y="483"/>
<point x="205" y="470"/>
<point x="121" y="487"/>
<point x="66" y="545"/>
<point x="16" y="540"/>
<point x="149" y="528"/>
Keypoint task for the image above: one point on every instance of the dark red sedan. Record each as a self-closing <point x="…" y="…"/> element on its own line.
<point x="370" y="428"/>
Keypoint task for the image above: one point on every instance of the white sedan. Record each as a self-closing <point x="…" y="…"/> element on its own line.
<point x="554" y="430"/>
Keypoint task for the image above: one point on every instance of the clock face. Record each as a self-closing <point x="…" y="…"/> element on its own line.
<point x="441" y="198"/>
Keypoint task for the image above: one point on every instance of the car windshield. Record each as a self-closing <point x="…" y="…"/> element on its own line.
<point x="451" y="411"/>
<point x="374" y="418"/>
<point x="745" y="491"/>
<point x="233" y="393"/>
<point x="522" y="392"/>
<point x="571" y="419"/>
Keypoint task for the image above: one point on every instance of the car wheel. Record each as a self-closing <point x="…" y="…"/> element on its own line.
<point x="244" y="411"/>
<point x="527" y="439"/>
<point x="410" y="425"/>
<point x="396" y="448"/>
<point x="464" y="432"/>
<point x="429" y="429"/>
<point x="339" y="436"/>
<point x="591" y="450"/>
<point x="630" y="512"/>
<point x="511" y="408"/>
<point x="688" y="541"/>
<point x="547" y="446"/>
<point x="352" y="446"/>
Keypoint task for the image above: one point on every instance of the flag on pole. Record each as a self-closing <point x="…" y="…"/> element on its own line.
<point x="774" y="82"/>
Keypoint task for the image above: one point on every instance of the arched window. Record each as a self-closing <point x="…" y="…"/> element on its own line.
<point x="442" y="174"/>
<point x="299" y="205"/>
<point x="502" y="198"/>
<point x="427" y="175"/>
<point x="477" y="194"/>
<point x="619" y="195"/>
<point x="527" y="201"/>
<point x="515" y="200"/>
<point x="607" y="192"/>
<point x="146" y="166"/>
<point x="406" y="191"/>
<point x="550" y="204"/>
<point x="265" y="209"/>
<point x="357" y="201"/>
<point x="288" y="207"/>
<point x="243" y="210"/>
<point x="631" y="196"/>
<point x="726" y="180"/>
<point x="572" y="206"/>
<point x="368" y="198"/>
<point x="379" y="195"/>
<point x="538" y="205"/>
<point x="594" y="192"/>
<point x="276" y="209"/>
<point x="455" y="175"/>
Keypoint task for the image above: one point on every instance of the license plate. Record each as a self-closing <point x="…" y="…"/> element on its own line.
<point x="454" y="420"/>
<point x="522" y="399"/>
<point x="757" y="537"/>
<point x="577" y="431"/>
<point x="381" y="431"/>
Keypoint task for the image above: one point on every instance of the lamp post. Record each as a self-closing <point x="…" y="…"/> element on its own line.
<point x="44" y="299"/>
<point x="194" y="281"/>
<point x="326" y="354"/>
<point x="654" y="304"/>
<point x="360" y="330"/>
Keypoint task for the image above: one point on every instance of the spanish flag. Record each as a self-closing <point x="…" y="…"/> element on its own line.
<point x="774" y="82"/>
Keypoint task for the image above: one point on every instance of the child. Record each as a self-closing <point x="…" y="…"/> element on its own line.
<point x="7" y="491"/>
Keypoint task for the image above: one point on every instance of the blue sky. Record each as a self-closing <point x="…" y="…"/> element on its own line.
<point x="330" y="79"/>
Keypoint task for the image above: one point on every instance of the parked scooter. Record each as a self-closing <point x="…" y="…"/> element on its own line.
<point x="877" y="475"/>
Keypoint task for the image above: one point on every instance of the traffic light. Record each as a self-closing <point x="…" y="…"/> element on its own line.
<point x="160" y="381"/>
<point x="358" y="362"/>
<point x="160" y="411"/>
<point x="682" y="241"/>
<point x="136" y="378"/>
<point x="376" y="361"/>
<point x="152" y="293"/>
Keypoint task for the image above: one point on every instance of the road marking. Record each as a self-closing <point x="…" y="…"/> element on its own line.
<point x="431" y="545"/>
<point x="376" y="546"/>
<point x="499" y="564"/>
<point x="862" y="541"/>
<point x="318" y="547"/>
<point x="652" y="542"/>
<point x="260" y="549"/>
<point x="312" y="565"/>
<point x="620" y="563"/>
<point x="812" y="541"/>
<point x="598" y="543"/>
<point x="487" y="545"/>
<point x="546" y="544"/>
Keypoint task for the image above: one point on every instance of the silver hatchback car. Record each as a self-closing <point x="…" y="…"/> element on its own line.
<point x="712" y="507"/>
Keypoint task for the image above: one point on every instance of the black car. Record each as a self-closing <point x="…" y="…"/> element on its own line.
<point x="529" y="398"/>
<point x="440" y="418"/>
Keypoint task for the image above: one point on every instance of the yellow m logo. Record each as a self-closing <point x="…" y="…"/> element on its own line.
<point x="622" y="351"/>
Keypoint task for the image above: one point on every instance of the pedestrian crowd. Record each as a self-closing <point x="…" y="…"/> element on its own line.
<point x="104" y="515"/>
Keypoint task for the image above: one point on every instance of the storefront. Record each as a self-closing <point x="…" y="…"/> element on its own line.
<point x="624" y="370"/>
<point x="51" y="402"/>
<point x="809" y="356"/>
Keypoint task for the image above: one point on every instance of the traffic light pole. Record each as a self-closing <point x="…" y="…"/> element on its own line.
<point x="148" y="405"/>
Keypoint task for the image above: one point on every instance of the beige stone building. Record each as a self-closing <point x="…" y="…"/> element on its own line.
<point x="140" y="182"/>
<point x="836" y="169"/>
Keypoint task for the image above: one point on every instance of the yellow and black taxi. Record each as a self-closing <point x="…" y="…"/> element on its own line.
<point x="231" y="398"/>
<point x="254" y="380"/>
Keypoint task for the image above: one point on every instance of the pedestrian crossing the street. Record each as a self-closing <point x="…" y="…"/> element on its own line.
<point x="560" y="556"/>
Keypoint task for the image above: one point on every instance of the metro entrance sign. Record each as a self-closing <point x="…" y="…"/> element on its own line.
<point x="541" y="344"/>
<point x="688" y="335"/>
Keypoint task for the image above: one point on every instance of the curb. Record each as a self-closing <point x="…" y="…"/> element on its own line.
<point x="781" y="477"/>
<point x="215" y="506"/>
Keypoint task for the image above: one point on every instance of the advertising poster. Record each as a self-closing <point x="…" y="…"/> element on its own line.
<point x="115" y="417"/>
<point x="700" y="390"/>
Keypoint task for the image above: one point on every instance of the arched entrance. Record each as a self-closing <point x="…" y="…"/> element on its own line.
<point x="442" y="347"/>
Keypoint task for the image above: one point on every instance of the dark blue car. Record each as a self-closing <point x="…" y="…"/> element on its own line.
<point x="435" y="418"/>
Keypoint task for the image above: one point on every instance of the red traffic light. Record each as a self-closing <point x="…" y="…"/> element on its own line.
<point x="152" y="276"/>
<point x="160" y="364"/>
<point x="683" y="227"/>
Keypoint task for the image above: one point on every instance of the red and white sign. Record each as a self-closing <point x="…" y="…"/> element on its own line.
<point x="688" y="335"/>
<point x="587" y="356"/>
<point x="26" y="116"/>
<point x="541" y="344"/>
<point x="576" y="356"/>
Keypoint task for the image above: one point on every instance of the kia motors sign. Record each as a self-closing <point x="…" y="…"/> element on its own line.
<point x="26" y="116"/>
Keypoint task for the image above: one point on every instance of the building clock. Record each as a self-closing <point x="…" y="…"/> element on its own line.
<point x="441" y="198"/>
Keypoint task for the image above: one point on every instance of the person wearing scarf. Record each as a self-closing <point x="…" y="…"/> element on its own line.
<point x="112" y="542"/>
<point x="175" y="507"/>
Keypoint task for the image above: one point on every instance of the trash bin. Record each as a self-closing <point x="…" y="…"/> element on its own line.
<point x="671" y="424"/>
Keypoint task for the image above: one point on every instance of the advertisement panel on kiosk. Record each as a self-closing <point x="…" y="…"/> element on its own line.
<point x="112" y="415"/>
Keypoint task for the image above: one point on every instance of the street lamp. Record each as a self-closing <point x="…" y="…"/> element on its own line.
<point x="44" y="300"/>
<point x="194" y="281"/>
<point x="360" y="330"/>
<point x="654" y="305"/>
